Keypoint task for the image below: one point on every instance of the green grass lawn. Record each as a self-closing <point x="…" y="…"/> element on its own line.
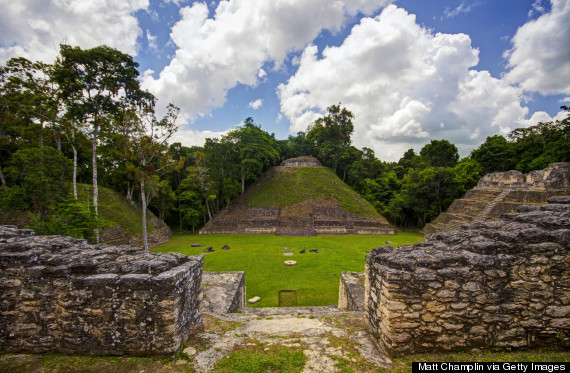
<point x="315" y="277"/>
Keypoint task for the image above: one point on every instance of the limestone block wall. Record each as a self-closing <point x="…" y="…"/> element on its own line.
<point x="351" y="291"/>
<point x="224" y="292"/>
<point x="555" y="176"/>
<point x="502" y="284"/>
<point x="61" y="294"/>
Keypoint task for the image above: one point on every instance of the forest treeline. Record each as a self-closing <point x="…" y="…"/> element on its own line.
<point x="85" y="119"/>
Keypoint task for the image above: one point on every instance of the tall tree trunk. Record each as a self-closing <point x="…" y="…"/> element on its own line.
<point x="179" y="214"/>
<point x="95" y="188"/>
<point x="74" y="171"/>
<point x="57" y="140"/>
<point x="143" y="203"/>
<point x="208" y="209"/>
<point x="2" y="180"/>
<point x="242" y="181"/>
<point x="130" y="190"/>
<point x="74" y="163"/>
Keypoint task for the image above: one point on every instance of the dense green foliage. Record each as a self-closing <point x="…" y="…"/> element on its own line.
<point x="70" y="218"/>
<point x="85" y="119"/>
<point x="91" y="95"/>
<point x="315" y="277"/>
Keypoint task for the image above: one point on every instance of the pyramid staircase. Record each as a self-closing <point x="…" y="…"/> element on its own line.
<point x="501" y="193"/>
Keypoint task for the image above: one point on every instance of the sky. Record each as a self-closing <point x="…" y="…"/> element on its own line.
<point x="410" y="71"/>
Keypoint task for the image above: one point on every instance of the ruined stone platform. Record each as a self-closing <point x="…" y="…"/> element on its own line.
<point x="317" y="331"/>
<point x="497" y="285"/>
<point x="303" y="161"/>
<point x="60" y="294"/>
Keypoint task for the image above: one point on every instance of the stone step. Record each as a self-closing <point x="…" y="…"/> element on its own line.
<point x="484" y="214"/>
<point x="316" y="311"/>
<point x="294" y="231"/>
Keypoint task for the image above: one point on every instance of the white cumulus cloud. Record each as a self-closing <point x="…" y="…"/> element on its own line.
<point x="34" y="29"/>
<point x="216" y="54"/>
<point x="256" y="104"/>
<point x="405" y="86"/>
<point x="539" y="60"/>
<point x="191" y="137"/>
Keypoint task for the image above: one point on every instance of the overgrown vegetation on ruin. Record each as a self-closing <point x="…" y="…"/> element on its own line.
<point x="286" y="188"/>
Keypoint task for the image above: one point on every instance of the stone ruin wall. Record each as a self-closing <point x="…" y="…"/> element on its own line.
<point x="118" y="236"/>
<point x="351" y="291"/>
<point x="224" y="292"/>
<point x="315" y="220"/>
<point x="61" y="294"/>
<point x="555" y="177"/>
<point x="304" y="161"/>
<point x="502" y="284"/>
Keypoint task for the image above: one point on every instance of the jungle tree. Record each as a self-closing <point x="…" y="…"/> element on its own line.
<point x="97" y="83"/>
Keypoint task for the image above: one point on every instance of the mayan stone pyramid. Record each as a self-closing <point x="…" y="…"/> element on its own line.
<point x="500" y="193"/>
<point x="299" y="198"/>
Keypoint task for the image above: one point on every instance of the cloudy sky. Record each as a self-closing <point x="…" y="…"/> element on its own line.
<point x="409" y="70"/>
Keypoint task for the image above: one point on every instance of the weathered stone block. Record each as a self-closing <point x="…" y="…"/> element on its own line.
<point x="223" y="292"/>
<point x="501" y="284"/>
<point x="351" y="291"/>
<point x="60" y="294"/>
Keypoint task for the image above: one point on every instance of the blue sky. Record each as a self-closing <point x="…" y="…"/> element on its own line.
<point x="410" y="70"/>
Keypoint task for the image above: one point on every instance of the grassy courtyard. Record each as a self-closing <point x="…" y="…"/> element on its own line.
<point x="316" y="275"/>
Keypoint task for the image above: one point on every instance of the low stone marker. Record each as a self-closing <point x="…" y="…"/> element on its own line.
<point x="190" y="351"/>
<point x="209" y="249"/>
<point x="225" y="247"/>
<point x="195" y="245"/>
<point x="314" y="251"/>
<point x="302" y="251"/>
<point x="288" y="254"/>
<point x="253" y="300"/>
<point x="290" y="263"/>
